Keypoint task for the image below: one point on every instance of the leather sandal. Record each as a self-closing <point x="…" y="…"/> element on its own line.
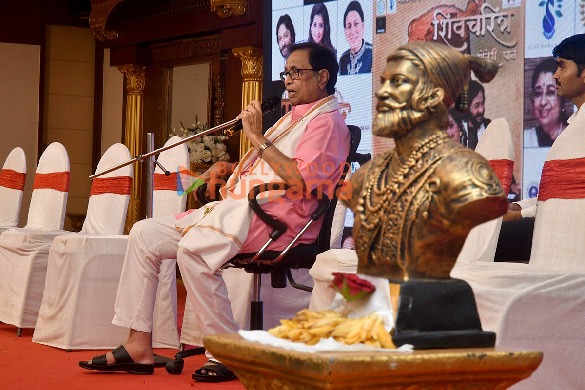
<point x="213" y="371"/>
<point x="123" y="360"/>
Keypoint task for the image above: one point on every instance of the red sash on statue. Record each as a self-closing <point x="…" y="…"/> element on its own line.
<point x="12" y="179"/>
<point x="53" y="181"/>
<point x="563" y="179"/>
<point x="120" y="185"/>
<point x="503" y="170"/>
<point x="164" y="182"/>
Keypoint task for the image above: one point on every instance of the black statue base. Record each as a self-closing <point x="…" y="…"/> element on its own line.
<point x="439" y="313"/>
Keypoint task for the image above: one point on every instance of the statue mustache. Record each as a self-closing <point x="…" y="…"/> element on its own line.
<point x="389" y="103"/>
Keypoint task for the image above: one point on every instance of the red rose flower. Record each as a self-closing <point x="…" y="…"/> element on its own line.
<point x="351" y="286"/>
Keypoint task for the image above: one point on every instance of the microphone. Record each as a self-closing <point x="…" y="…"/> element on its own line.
<point x="268" y="105"/>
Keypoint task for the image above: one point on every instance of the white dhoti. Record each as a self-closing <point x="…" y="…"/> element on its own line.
<point x="155" y="240"/>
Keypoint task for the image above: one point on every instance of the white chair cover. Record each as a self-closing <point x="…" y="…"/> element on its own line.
<point x="24" y="252"/>
<point x="100" y="276"/>
<point x="47" y="205"/>
<point x="496" y="144"/>
<point x="83" y="269"/>
<point x="338" y="223"/>
<point x="12" y="179"/>
<point x="535" y="308"/>
<point x="165" y="201"/>
<point x="278" y="303"/>
<point x="334" y="260"/>
<point x="559" y="227"/>
<point x="106" y="211"/>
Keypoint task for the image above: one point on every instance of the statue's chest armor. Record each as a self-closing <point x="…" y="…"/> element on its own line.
<point x="393" y="201"/>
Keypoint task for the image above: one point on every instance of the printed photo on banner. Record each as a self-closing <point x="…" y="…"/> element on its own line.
<point x="287" y="29"/>
<point x="483" y="28"/>
<point x="319" y="24"/>
<point x="355" y="48"/>
<point x="545" y="116"/>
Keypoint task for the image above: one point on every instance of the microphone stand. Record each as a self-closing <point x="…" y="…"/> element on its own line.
<point x="143" y="157"/>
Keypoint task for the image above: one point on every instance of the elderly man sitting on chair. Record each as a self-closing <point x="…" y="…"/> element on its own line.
<point x="300" y="149"/>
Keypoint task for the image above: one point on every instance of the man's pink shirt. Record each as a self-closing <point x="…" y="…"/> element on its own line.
<point x="320" y="156"/>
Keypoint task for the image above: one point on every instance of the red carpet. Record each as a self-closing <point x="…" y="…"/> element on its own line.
<point x="27" y="365"/>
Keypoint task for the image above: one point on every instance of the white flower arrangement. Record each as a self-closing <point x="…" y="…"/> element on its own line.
<point x="206" y="149"/>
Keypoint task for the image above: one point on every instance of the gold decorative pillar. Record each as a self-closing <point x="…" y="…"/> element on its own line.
<point x="133" y="133"/>
<point x="252" y="85"/>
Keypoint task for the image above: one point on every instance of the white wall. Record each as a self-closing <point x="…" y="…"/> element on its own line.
<point x="69" y="100"/>
<point x="19" y="108"/>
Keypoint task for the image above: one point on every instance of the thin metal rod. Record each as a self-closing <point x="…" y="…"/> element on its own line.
<point x="149" y="175"/>
<point x="142" y="157"/>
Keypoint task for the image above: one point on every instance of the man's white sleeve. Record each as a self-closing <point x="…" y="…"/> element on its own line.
<point x="528" y="207"/>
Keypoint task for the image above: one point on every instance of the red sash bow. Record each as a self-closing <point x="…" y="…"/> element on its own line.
<point x="503" y="170"/>
<point x="120" y="185"/>
<point x="563" y="179"/>
<point x="12" y="179"/>
<point x="53" y="181"/>
<point x="163" y="182"/>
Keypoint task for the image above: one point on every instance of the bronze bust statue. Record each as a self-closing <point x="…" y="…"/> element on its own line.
<point x="415" y="204"/>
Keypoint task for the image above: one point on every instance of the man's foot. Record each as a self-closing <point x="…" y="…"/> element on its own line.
<point x="120" y="361"/>
<point x="137" y="352"/>
<point x="213" y="371"/>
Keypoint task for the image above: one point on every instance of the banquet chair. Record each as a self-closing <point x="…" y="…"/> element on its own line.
<point x="87" y="266"/>
<point x="245" y="277"/>
<point x="497" y="146"/>
<point x="12" y="178"/>
<point x="79" y="266"/>
<point x="541" y="305"/>
<point x="166" y="202"/>
<point x="24" y="251"/>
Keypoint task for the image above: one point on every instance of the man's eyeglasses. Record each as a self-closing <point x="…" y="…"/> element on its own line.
<point x="294" y="74"/>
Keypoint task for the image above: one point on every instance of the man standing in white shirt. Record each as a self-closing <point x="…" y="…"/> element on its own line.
<point x="563" y="175"/>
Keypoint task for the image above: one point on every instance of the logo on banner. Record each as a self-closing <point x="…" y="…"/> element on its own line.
<point x="550" y="10"/>
<point x="187" y="181"/>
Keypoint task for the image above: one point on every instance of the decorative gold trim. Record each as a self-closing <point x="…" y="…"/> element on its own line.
<point x="451" y="369"/>
<point x="135" y="78"/>
<point x="225" y="8"/>
<point x="252" y="82"/>
<point x="135" y="81"/>
<point x="98" y="17"/>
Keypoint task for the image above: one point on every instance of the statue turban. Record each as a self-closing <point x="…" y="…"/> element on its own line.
<point x="447" y="68"/>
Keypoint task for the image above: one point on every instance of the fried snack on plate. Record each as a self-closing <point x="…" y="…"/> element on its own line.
<point x="309" y="327"/>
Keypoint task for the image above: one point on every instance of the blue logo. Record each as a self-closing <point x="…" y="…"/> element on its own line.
<point x="532" y="191"/>
<point x="548" y="22"/>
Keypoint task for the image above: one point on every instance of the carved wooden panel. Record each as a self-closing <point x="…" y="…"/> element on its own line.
<point x="151" y="9"/>
<point x="186" y="48"/>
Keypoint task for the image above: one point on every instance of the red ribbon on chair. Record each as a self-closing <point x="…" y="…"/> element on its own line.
<point x="503" y="170"/>
<point x="11" y="179"/>
<point x="563" y="179"/>
<point x="53" y="181"/>
<point x="120" y="185"/>
<point x="164" y="182"/>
